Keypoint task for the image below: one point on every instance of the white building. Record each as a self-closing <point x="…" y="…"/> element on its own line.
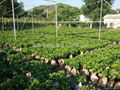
<point x="112" y="20"/>
<point x="83" y="18"/>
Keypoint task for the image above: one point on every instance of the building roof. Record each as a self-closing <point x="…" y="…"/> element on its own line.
<point x="112" y="16"/>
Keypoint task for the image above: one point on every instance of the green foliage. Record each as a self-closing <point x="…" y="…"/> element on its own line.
<point x="90" y="87"/>
<point x="18" y="82"/>
<point x="19" y="69"/>
<point x="80" y="78"/>
<point x="3" y="55"/>
<point x="7" y="6"/>
<point x="92" y="8"/>
<point x="65" y="12"/>
<point x="43" y="42"/>
<point x="22" y="73"/>
<point x="118" y="10"/>
<point x="100" y="61"/>
<point x="56" y="81"/>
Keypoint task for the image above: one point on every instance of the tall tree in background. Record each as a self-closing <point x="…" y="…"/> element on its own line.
<point x="7" y="6"/>
<point x="91" y="8"/>
<point x="67" y="13"/>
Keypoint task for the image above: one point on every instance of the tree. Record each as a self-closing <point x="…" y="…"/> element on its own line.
<point x="91" y="8"/>
<point x="118" y="10"/>
<point x="7" y="6"/>
<point x="65" y="12"/>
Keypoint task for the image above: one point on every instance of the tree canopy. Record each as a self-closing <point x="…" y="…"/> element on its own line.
<point x="91" y="8"/>
<point x="7" y="6"/>
<point x="65" y="12"/>
<point x="118" y="10"/>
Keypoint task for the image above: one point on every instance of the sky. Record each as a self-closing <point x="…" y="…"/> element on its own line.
<point x="28" y="4"/>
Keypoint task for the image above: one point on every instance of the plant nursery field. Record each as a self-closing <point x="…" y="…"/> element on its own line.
<point x="40" y="60"/>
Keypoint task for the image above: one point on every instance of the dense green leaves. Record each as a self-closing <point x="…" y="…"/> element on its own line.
<point x="7" y="6"/>
<point x="104" y="61"/>
<point x="19" y="69"/>
<point x="44" y="43"/>
<point x="65" y="12"/>
<point x="21" y="72"/>
<point x="92" y="8"/>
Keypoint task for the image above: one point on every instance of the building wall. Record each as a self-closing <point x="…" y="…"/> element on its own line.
<point x="112" y="23"/>
<point x="117" y="25"/>
<point x="82" y="18"/>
